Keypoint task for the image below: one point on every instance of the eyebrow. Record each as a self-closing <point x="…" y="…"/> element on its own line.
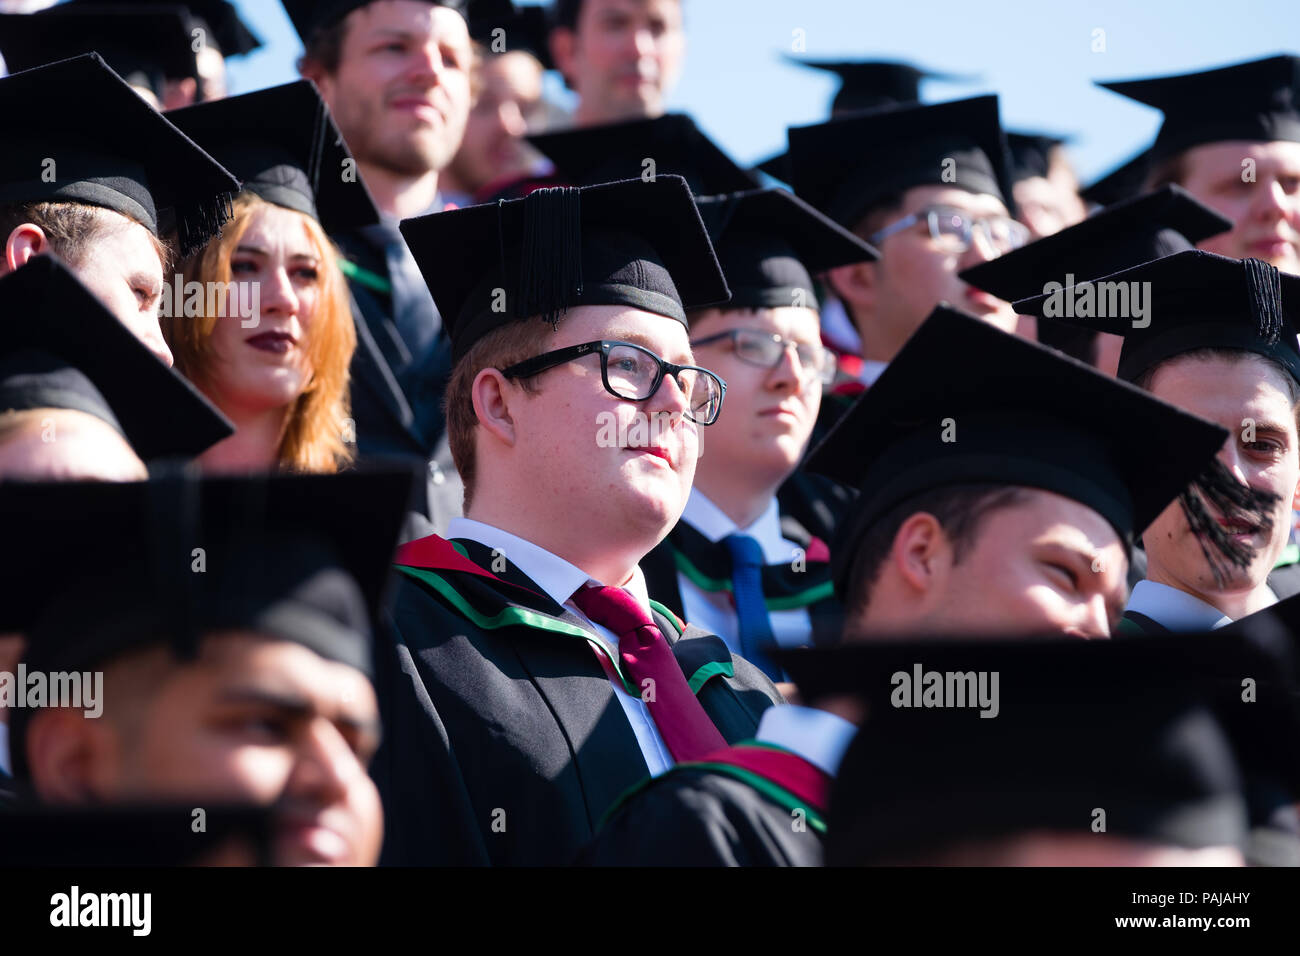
<point x="259" y="251"/>
<point x="297" y="705"/>
<point x="643" y="340"/>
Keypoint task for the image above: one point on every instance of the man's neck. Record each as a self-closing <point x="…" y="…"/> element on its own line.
<point x="399" y="196"/>
<point x="737" y="494"/>
<point x="1233" y="604"/>
<point x="255" y="445"/>
<point x="604" y="560"/>
<point x="880" y="340"/>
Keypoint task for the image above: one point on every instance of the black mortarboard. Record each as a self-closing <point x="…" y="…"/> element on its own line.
<point x="1258" y="100"/>
<point x="847" y="165"/>
<point x="229" y="33"/>
<point x="588" y="155"/>
<point x="1135" y="729"/>
<point x="1127" y="234"/>
<point x="1031" y="154"/>
<point x="37" y="835"/>
<point x="308" y="16"/>
<point x="302" y="557"/>
<point x="1022" y="415"/>
<point x="99" y="569"/>
<point x="1123" y="182"/>
<point x="61" y="348"/>
<point x="633" y="243"/>
<point x="146" y="45"/>
<point x="770" y="244"/>
<point x="526" y="28"/>
<point x="871" y="84"/>
<point x="283" y="144"/>
<point x="109" y="148"/>
<point x="1197" y="300"/>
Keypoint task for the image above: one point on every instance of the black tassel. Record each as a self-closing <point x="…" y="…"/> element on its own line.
<point x="1238" y="503"/>
<point x="199" y="224"/>
<point x="1264" y="287"/>
<point x="551" y="262"/>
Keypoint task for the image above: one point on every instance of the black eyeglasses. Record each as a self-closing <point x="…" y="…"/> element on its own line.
<point x="764" y="349"/>
<point x="635" y="373"/>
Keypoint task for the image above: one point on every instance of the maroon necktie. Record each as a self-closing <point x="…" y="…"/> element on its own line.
<point x="645" y="655"/>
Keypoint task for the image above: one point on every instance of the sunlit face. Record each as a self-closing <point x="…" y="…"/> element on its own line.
<point x="1265" y="212"/>
<point x="1269" y="459"/>
<point x="124" y="271"/>
<point x="769" y="413"/>
<point x="509" y="101"/>
<point x="916" y="272"/>
<point x="66" y="445"/>
<point x="1045" y="207"/>
<point x="625" y="55"/>
<point x="401" y="94"/>
<point x="616" y="463"/>
<point x="1047" y="565"/>
<point x="266" y="365"/>
<point x="260" y="721"/>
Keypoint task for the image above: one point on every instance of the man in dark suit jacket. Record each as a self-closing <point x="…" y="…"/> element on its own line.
<point x="531" y="680"/>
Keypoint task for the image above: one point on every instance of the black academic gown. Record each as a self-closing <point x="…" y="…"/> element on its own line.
<point x="504" y="742"/>
<point x="712" y="814"/>
<point x="395" y="421"/>
<point x="810" y="507"/>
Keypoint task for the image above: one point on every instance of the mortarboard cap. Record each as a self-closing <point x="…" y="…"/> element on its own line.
<point x="1157" y="753"/>
<point x="1258" y="100"/>
<point x="526" y="28"/>
<point x="1024" y="415"/>
<point x="146" y="45"/>
<point x="871" y="84"/>
<point x="1196" y="300"/>
<point x="633" y="243"/>
<point x="283" y="144"/>
<point x="770" y="244"/>
<point x="1031" y="154"/>
<point x="846" y="166"/>
<point x="1123" y="182"/>
<point x="61" y="348"/>
<point x="588" y="155"/>
<point x="1127" y="234"/>
<point x="111" y="149"/>
<point x="309" y="16"/>
<point x="301" y="557"/>
<point x="219" y="18"/>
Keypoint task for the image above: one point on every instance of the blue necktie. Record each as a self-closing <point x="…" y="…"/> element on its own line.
<point x="751" y="611"/>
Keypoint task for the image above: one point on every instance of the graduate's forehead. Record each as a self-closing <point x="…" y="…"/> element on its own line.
<point x="666" y="337"/>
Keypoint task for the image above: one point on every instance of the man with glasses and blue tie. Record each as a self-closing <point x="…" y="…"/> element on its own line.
<point x="530" y="679"/>
<point x="929" y="187"/>
<point x="749" y="560"/>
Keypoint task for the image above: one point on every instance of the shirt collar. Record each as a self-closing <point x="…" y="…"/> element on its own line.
<point x="709" y="520"/>
<point x="872" y="370"/>
<point x="1175" y="609"/>
<point x="555" y="576"/>
<point x="817" y="736"/>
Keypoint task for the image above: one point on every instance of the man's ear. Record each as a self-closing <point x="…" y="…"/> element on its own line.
<point x="563" y="43"/>
<point x="24" y="242"/>
<point x="492" y="393"/>
<point x="856" y="286"/>
<point x="65" y="754"/>
<point x="921" y="554"/>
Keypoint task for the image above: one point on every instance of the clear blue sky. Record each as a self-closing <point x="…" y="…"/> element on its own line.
<point x="1037" y="54"/>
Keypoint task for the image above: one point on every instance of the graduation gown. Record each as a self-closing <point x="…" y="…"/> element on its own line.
<point x="806" y="502"/>
<point x="749" y="805"/>
<point x="390" y="422"/>
<point x="504" y="742"/>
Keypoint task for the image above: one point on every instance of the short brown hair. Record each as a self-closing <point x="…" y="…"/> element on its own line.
<point x="960" y="511"/>
<point x="1171" y="171"/>
<point x="324" y="48"/>
<point x="1145" y="380"/>
<point x="71" y="227"/>
<point x="500" y="348"/>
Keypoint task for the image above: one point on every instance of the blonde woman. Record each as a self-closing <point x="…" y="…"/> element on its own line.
<point x="273" y="352"/>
